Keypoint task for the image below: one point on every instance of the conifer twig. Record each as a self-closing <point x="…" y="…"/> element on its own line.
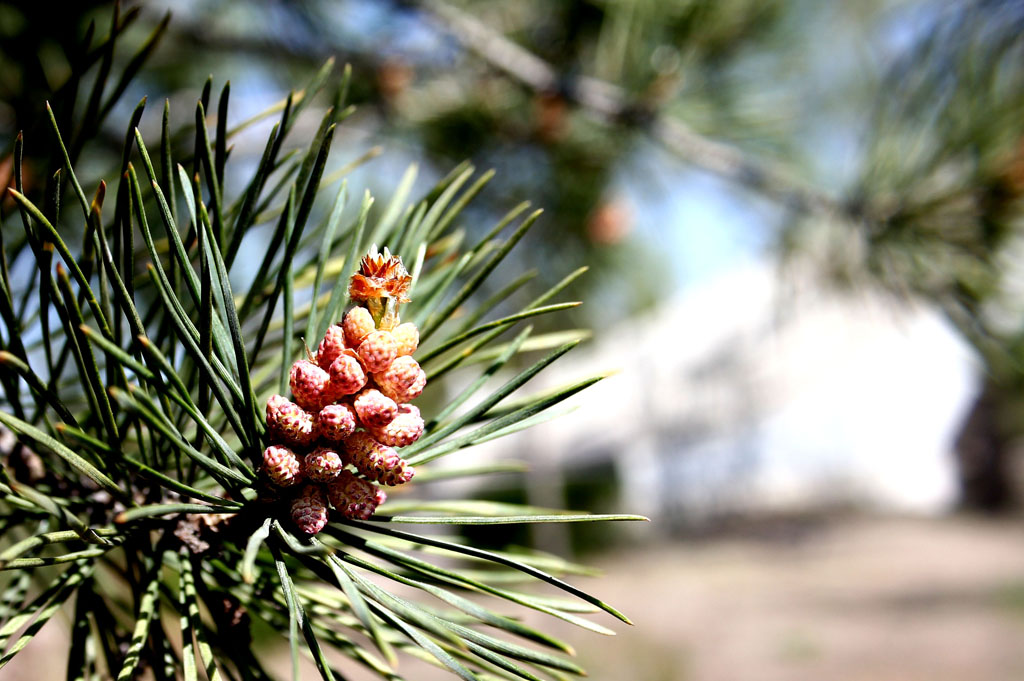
<point x="611" y="104"/>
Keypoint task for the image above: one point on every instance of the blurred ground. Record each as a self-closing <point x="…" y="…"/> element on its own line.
<point x="865" y="599"/>
<point x="852" y="600"/>
<point x="885" y="600"/>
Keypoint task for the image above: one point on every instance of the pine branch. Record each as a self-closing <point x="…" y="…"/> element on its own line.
<point x="611" y="105"/>
<point x="147" y="421"/>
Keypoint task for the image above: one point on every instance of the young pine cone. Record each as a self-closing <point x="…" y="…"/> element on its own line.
<point x="335" y="422"/>
<point x="404" y="429"/>
<point x="322" y="464"/>
<point x="374" y="409"/>
<point x="353" y="497"/>
<point x="376" y="461"/>
<point x="357" y="325"/>
<point x="346" y="377"/>
<point x="308" y="382"/>
<point x="377" y="351"/>
<point x="407" y="338"/>
<point x="331" y="346"/>
<point x="289" y="423"/>
<point x="403" y="380"/>
<point x="309" y="509"/>
<point x="282" y="466"/>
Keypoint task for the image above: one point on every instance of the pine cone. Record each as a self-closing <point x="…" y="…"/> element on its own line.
<point x="375" y="410"/>
<point x="377" y="351"/>
<point x="309" y="509"/>
<point x="404" y="429"/>
<point x="322" y="464"/>
<point x="282" y="466"/>
<point x="335" y="422"/>
<point x="353" y="497"/>
<point x="407" y="338"/>
<point x="403" y="380"/>
<point x="346" y="377"/>
<point x="376" y="461"/>
<point x="307" y="383"/>
<point x="289" y="423"/>
<point x="358" y="324"/>
<point x="331" y="346"/>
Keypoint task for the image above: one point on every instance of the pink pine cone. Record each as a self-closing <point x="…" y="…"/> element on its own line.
<point x="331" y="346"/>
<point x="346" y="376"/>
<point x="376" y="461"/>
<point x="403" y="380"/>
<point x="407" y="338"/>
<point x="309" y="509"/>
<point x="322" y="464"/>
<point x="282" y="466"/>
<point x="335" y="422"/>
<point x="404" y="429"/>
<point x="377" y="351"/>
<point x="358" y="324"/>
<point x="308" y="382"/>
<point x="289" y="423"/>
<point x="374" y="409"/>
<point x="353" y="497"/>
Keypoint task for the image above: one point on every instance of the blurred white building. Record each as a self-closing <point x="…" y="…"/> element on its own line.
<point x="751" y="394"/>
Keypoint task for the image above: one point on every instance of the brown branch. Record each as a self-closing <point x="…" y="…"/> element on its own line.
<point x="611" y="104"/>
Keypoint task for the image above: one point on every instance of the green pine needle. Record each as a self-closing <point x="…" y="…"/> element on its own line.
<point x="144" y="406"/>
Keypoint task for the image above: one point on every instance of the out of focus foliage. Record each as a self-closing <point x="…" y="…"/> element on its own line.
<point x="938" y="214"/>
<point x="944" y="173"/>
<point x="434" y="98"/>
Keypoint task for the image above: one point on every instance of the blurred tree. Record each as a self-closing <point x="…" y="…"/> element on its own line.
<point x="432" y="90"/>
<point x="937" y="211"/>
<point x="42" y="60"/>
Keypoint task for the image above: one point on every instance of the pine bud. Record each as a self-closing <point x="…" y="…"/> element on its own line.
<point x="404" y="429"/>
<point x="407" y="338"/>
<point x="376" y="461"/>
<point x="353" y="497"/>
<point x="335" y="422"/>
<point x="377" y="351"/>
<point x="346" y="376"/>
<point x="289" y="423"/>
<point x="282" y="466"/>
<point x="403" y="380"/>
<point x="308" y="382"/>
<point x="380" y="275"/>
<point x="309" y="509"/>
<point x="358" y="324"/>
<point x="331" y="346"/>
<point x="322" y="464"/>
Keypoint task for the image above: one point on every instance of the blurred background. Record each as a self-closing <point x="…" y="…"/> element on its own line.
<point x="803" y="222"/>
